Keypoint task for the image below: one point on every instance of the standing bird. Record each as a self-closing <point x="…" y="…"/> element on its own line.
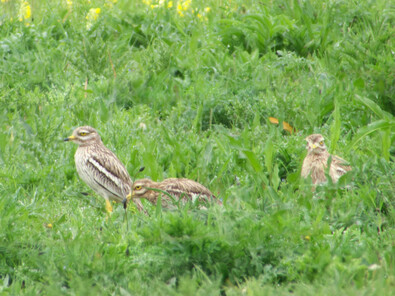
<point x="181" y="189"/>
<point x="316" y="161"/>
<point x="99" y="167"/>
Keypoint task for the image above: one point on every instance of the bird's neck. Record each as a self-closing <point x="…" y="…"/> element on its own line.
<point x="321" y="153"/>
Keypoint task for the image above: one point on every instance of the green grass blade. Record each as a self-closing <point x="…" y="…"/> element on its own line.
<point x="335" y="127"/>
<point x="373" y="107"/>
<point x="374" y="127"/>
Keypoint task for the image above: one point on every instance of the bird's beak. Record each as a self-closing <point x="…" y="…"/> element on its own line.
<point x="129" y="196"/>
<point x="71" y="138"/>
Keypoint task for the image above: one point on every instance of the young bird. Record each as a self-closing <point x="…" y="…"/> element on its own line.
<point x="316" y="161"/>
<point x="181" y="189"/>
<point x="99" y="167"/>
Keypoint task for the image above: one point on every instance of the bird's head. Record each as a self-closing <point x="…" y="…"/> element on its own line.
<point x="84" y="135"/>
<point x="140" y="188"/>
<point x="315" y="144"/>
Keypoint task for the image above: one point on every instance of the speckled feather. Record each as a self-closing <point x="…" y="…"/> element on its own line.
<point x="181" y="188"/>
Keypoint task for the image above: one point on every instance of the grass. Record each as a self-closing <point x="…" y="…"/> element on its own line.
<point x="204" y="85"/>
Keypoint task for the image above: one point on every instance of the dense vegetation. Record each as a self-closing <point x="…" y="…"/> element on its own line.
<point x="186" y="88"/>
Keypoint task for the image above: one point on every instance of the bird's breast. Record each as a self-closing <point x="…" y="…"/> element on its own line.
<point x="81" y="157"/>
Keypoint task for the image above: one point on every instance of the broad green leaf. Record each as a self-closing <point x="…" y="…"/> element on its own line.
<point x="253" y="160"/>
<point x="376" y="126"/>
<point x="275" y="179"/>
<point x="373" y="107"/>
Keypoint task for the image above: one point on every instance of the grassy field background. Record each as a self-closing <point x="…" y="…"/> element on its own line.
<point x="186" y="89"/>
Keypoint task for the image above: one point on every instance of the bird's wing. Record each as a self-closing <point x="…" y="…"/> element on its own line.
<point x="110" y="173"/>
<point x="338" y="168"/>
<point x="186" y="188"/>
<point x="341" y="165"/>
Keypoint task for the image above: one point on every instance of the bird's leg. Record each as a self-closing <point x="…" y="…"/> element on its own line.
<point x="125" y="206"/>
<point x="108" y="207"/>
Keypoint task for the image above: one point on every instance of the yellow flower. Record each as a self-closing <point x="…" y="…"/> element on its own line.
<point x="207" y="9"/>
<point x="179" y="9"/>
<point x="25" y="11"/>
<point x="147" y="2"/>
<point x="186" y="4"/>
<point x="170" y="4"/>
<point x="182" y="6"/>
<point x="91" y="17"/>
<point x="28" y="12"/>
<point x="4" y="1"/>
<point x="93" y="14"/>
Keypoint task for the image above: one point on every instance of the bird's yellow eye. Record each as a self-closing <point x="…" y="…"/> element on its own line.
<point x="321" y="143"/>
<point x="83" y="134"/>
<point x="138" y="187"/>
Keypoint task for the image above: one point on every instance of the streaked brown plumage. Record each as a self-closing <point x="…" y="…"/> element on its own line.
<point x="100" y="168"/>
<point x="182" y="188"/>
<point x="316" y="161"/>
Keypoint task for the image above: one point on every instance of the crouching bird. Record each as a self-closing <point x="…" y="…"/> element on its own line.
<point x="316" y="161"/>
<point x="173" y="188"/>
<point x="100" y="168"/>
